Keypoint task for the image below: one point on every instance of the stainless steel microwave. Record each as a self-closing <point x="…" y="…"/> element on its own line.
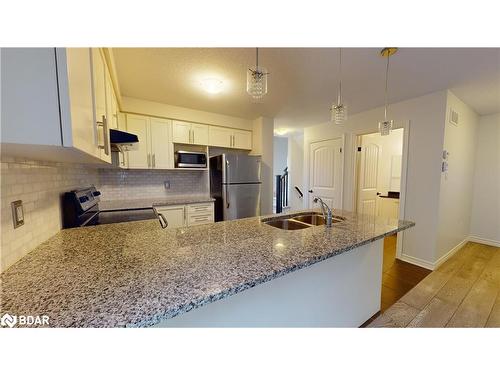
<point x="190" y="159"/>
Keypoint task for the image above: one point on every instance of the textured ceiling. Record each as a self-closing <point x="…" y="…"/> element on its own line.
<point x="303" y="81"/>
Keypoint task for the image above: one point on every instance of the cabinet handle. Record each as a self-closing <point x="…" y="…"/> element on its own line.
<point x="149" y="160"/>
<point x="105" y="131"/>
<point x="154" y="161"/>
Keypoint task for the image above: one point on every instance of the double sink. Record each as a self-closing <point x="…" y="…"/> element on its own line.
<point x="300" y="221"/>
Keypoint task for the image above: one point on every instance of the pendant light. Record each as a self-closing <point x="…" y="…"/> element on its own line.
<point x="339" y="110"/>
<point x="385" y="127"/>
<point x="257" y="79"/>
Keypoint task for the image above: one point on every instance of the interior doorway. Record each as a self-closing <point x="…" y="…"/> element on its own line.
<point x="379" y="165"/>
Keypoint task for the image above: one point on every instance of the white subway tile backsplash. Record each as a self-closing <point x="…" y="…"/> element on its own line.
<point x="138" y="184"/>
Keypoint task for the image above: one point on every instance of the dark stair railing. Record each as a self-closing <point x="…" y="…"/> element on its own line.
<point x="281" y="191"/>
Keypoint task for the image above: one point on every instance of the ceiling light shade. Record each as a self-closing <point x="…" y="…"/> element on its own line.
<point x="212" y="85"/>
<point x="257" y="80"/>
<point x="339" y="110"/>
<point x="385" y="127"/>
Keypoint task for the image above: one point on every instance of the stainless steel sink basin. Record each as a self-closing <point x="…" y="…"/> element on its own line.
<point x="300" y="221"/>
<point x="311" y="219"/>
<point x="287" y="224"/>
<point x="316" y="219"/>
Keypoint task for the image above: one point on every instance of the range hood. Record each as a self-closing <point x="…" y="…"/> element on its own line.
<point x="122" y="141"/>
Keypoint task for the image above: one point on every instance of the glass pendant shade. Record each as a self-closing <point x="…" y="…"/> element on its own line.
<point x="385" y="127"/>
<point x="339" y="113"/>
<point x="257" y="82"/>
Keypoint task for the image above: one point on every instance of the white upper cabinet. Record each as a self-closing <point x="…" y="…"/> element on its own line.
<point x="199" y="134"/>
<point x="155" y="149"/>
<point x="242" y="139"/>
<point x="30" y="99"/>
<point x="229" y="138"/>
<point x="102" y="105"/>
<point x="193" y="134"/>
<point x="220" y="137"/>
<point x="77" y="115"/>
<point x="161" y="146"/>
<point x="56" y="97"/>
<point x="139" y="158"/>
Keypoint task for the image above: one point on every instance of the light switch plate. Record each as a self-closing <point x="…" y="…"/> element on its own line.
<point x="17" y="213"/>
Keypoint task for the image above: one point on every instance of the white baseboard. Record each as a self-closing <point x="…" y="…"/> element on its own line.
<point x="446" y="256"/>
<point x="484" y="241"/>
<point x="417" y="261"/>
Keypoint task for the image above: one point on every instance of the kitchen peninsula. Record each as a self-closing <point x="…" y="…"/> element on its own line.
<point x="234" y="273"/>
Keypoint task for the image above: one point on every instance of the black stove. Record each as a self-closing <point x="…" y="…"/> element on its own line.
<point x="81" y="208"/>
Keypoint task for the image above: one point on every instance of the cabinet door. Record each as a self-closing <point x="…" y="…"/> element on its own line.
<point x="220" y="137"/>
<point x="242" y="139"/>
<point x="29" y="95"/>
<point x="80" y="117"/>
<point x="199" y="134"/>
<point x="174" y="215"/>
<point x="161" y="156"/>
<point x="139" y="158"/>
<point x="181" y="132"/>
<point x="100" y="110"/>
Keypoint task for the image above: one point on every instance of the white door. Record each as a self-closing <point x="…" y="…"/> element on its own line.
<point x="199" y="134"/>
<point x="367" y="184"/>
<point x="139" y="158"/>
<point x="160" y="148"/>
<point x="242" y="139"/>
<point x="325" y="173"/>
<point x="181" y="132"/>
<point x="220" y="137"/>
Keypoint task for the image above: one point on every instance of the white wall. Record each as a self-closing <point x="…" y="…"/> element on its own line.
<point x="455" y="203"/>
<point x="485" y="223"/>
<point x="140" y="106"/>
<point x="263" y="133"/>
<point x="296" y="169"/>
<point x="426" y="115"/>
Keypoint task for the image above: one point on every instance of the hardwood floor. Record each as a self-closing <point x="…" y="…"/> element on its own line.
<point x="463" y="292"/>
<point x="398" y="277"/>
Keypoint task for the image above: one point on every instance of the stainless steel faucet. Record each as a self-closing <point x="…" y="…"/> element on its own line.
<point x="328" y="216"/>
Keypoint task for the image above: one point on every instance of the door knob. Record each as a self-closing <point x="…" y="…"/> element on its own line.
<point x="310" y="191"/>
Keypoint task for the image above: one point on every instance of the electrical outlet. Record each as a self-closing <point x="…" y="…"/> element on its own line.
<point x="166" y="184"/>
<point x="17" y="213"/>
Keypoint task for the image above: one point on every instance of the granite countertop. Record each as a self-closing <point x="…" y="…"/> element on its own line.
<point x="124" y="204"/>
<point x="137" y="274"/>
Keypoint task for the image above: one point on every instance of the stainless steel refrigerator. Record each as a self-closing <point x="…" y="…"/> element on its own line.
<point x="235" y="185"/>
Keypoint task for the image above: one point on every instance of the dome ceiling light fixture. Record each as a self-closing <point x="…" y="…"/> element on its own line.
<point x="339" y="110"/>
<point x="385" y="127"/>
<point x="212" y="85"/>
<point x="257" y="79"/>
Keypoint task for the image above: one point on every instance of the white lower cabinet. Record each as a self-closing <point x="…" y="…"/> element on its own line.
<point x="187" y="215"/>
<point x="175" y="215"/>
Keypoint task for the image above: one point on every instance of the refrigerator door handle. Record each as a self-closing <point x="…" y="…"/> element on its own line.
<point x="227" y="183"/>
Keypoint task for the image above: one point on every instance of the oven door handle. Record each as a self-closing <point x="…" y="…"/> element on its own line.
<point x="161" y="218"/>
